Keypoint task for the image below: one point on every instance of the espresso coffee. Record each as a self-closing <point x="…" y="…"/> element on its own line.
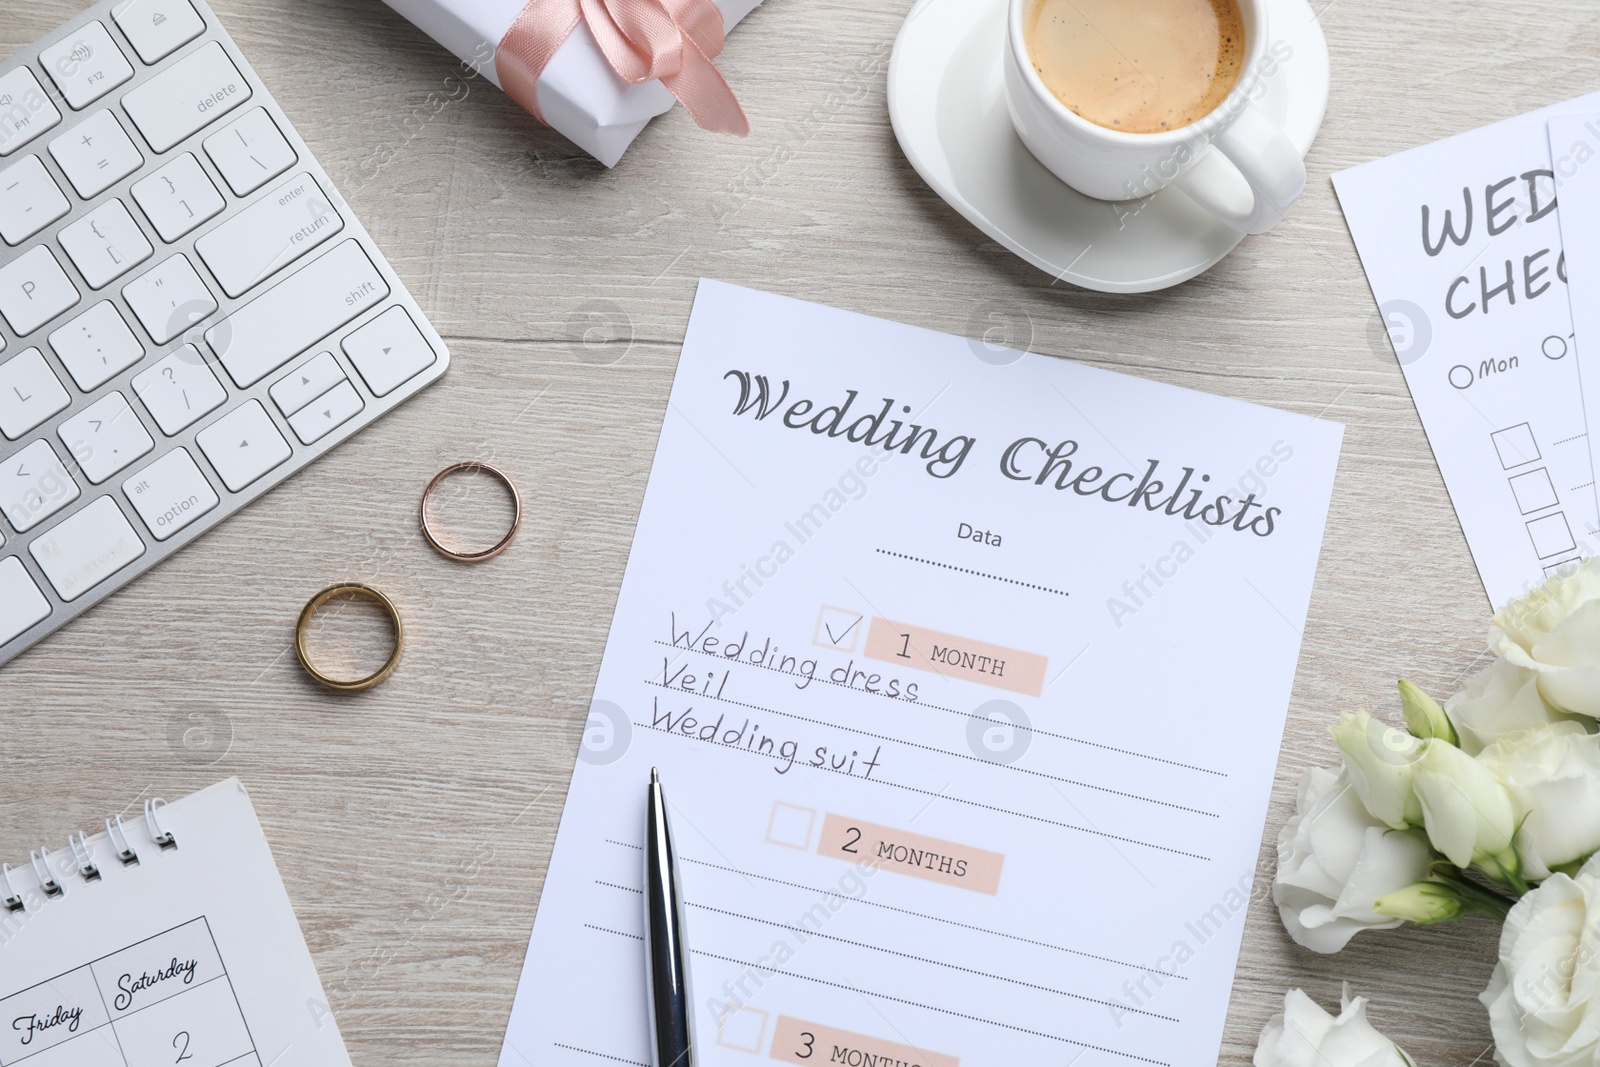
<point x="1137" y="66"/>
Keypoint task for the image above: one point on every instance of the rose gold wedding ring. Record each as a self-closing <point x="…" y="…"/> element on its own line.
<point x="499" y="546"/>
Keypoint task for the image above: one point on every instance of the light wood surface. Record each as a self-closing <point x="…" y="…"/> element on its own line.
<point x="382" y="809"/>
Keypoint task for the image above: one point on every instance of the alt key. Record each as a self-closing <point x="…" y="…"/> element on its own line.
<point x="170" y="494"/>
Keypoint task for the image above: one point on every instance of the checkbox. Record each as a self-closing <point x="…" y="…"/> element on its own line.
<point x="743" y="1029"/>
<point x="790" y="825"/>
<point x="1534" y="491"/>
<point x="838" y="628"/>
<point x="1556" y="568"/>
<point x="1515" y="445"/>
<point x="1551" y="535"/>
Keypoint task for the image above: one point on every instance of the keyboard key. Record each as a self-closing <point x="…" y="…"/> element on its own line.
<point x="158" y="28"/>
<point x="21" y="603"/>
<point x="251" y="152"/>
<point x="243" y="445"/>
<point x="179" y="389"/>
<point x="26" y="111"/>
<point x="170" y="493"/>
<point x="87" y="548"/>
<point x="178" y="197"/>
<point x="96" y="154"/>
<point x="389" y="350"/>
<point x="96" y="346"/>
<point x="105" y="437"/>
<point x="169" y="299"/>
<point x="33" y="290"/>
<point x="105" y="244"/>
<point x="332" y="409"/>
<point x="268" y="235"/>
<point x="34" y="486"/>
<point x="30" y="200"/>
<point x="308" y="381"/>
<point x="86" y="65"/>
<point x="186" y="97"/>
<point x="29" y="393"/>
<point x="295" y="314"/>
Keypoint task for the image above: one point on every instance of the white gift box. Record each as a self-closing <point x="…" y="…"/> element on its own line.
<point x="579" y="93"/>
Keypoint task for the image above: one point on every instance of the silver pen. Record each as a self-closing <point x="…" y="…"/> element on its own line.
<point x="666" y="958"/>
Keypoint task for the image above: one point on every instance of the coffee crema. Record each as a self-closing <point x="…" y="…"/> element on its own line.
<point x="1137" y="66"/>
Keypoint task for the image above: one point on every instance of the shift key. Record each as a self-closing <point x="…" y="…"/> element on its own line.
<point x="296" y="313"/>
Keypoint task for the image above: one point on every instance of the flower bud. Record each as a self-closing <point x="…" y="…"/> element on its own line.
<point x="1424" y="902"/>
<point x="1424" y="717"/>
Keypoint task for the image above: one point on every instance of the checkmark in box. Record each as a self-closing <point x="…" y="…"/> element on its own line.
<point x="838" y="628"/>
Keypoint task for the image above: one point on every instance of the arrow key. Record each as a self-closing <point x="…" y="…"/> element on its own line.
<point x="307" y="382"/>
<point x="389" y="351"/>
<point x="243" y="445"/>
<point x="336" y="406"/>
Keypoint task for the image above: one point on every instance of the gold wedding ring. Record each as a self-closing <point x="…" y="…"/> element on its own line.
<point x="499" y="546"/>
<point x="365" y="592"/>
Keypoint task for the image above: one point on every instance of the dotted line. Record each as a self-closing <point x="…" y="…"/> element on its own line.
<point x="619" y="933"/>
<point x="936" y="963"/>
<point x="1569" y="440"/>
<point x="1585" y="485"/>
<point x="602" y="1055"/>
<point x="942" y="1011"/>
<point x="899" y="1000"/>
<point x="901" y="911"/>
<point x="947" y="752"/>
<point x="977" y="574"/>
<point x="965" y="715"/>
<point x="942" y="796"/>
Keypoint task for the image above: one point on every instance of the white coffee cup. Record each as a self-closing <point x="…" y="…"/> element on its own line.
<point x="1235" y="162"/>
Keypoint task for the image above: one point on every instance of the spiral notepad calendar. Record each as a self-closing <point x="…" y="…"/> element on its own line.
<point x="167" y="938"/>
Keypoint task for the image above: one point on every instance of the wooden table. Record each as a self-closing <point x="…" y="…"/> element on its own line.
<point x="413" y="824"/>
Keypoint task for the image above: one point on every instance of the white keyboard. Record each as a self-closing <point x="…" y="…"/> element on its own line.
<point x="189" y="311"/>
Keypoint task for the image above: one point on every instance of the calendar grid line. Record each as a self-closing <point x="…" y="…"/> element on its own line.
<point x="110" y="1023"/>
<point x="119" y="1013"/>
<point x="234" y="993"/>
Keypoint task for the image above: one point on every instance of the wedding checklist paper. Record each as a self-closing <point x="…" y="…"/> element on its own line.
<point x="1574" y="155"/>
<point x="965" y="672"/>
<point x="1462" y="246"/>
<point x="189" y="953"/>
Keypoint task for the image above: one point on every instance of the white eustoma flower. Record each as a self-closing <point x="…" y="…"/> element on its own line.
<point x="1555" y="632"/>
<point x="1378" y="758"/>
<point x="1334" y="862"/>
<point x="1306" y="1036"/>
<point x="1553" y="776"/>
<point x="1544" y="996"/>
<point x="1467" y="811"/>
<point x="1501" y="700"/>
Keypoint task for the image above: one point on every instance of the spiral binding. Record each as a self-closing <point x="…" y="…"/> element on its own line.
<point x="83" y="856"/>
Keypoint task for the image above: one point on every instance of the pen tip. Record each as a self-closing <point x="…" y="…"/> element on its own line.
<point x="655" y="776"/>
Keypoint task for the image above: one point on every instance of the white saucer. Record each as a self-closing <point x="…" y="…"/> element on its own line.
<point x="947" y="103"/>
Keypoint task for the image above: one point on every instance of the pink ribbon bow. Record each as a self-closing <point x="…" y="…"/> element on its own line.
<point x="673" y="40"/>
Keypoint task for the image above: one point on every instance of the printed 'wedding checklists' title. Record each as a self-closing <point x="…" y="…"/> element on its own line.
<point x="1159" y="487"/>
<point x="1501" y="209"/>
